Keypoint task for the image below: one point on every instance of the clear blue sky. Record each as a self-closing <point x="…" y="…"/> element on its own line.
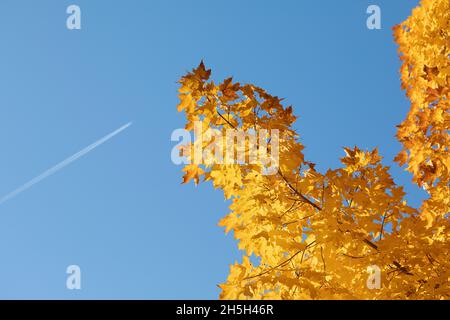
<point x="120" y="212"/>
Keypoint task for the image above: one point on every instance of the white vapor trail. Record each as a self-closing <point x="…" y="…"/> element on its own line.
<point x="62" y="164"/>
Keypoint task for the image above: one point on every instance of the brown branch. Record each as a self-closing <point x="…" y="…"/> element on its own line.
<point x="282" y="263"/>
<point x="371" y="244"/>
<point x="353" y="257"/>
<point x="305" y="199"/>
<point x="382" y="225"/>
<point x="226" y="120"/>
<point x="290" y="208"/>
<point x="401" y="268"/>
<point x="298" y="220"/>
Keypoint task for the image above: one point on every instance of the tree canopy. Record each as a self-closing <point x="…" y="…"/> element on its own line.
<point x="312" y="235"/>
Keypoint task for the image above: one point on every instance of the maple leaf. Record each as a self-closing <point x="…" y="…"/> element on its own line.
<point x="192" y="171"/>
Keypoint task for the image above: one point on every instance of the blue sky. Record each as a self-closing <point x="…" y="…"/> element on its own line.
<point x="120" y="212"/>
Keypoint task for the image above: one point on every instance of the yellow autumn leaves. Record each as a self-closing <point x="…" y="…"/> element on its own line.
<point x="424" y="46"/>
<point x="314" y="234"/>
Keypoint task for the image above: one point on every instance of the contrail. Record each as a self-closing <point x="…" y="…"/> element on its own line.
<point x="62" y="164"/>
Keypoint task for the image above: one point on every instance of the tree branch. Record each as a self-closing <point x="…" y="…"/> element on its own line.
<point x="305" y="199"/>
<point x="382" y="225"/>
<point x="282" y="263"/>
